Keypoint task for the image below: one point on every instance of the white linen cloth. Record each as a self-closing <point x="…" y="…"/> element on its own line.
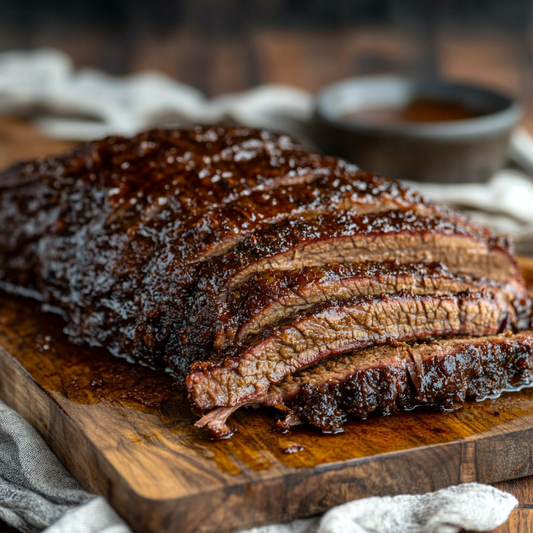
<point x="469" y="506"/>
<point x="87" y="104"/>
<point x="36" y="491"/>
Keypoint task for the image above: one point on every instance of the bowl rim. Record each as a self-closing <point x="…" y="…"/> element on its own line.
<point x="482" y="126"/>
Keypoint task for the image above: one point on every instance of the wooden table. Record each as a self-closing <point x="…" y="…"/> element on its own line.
<point x="521" y="520"/>
<point x="310" y="60"/>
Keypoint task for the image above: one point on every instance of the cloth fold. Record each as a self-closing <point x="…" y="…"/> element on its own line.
<point x="93" y="516"/>
<point x="470" y="506"/>
<point x="88" y="104"/>
<point x="505" y="203"/>
<point x="37" y="491"/>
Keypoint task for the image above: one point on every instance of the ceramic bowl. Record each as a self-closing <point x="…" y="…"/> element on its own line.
<point x="457" y="151"/>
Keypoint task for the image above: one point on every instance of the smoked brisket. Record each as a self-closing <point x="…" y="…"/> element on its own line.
<point x="235" y="258"/>
<point x="440" y="373"/>
<point x="271" y="295"/>
<point x="113" y="233"/>
<point x="245" y="371"/>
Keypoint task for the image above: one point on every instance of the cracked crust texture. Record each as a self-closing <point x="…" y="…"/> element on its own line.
<point x="442" y="373"/>
<point x="438" y="373"/>
<point x="270" y="296"/>
<point x="142" y="244"/>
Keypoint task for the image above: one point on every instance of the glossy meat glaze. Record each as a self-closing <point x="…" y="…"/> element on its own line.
<point x="437" y="373"/>
<point x="146" y="245"/>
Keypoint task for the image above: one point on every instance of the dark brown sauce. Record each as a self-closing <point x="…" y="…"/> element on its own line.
<point x="415" y="112"/>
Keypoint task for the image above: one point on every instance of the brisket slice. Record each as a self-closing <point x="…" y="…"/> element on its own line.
<point x="443" y="373"/>
<point x="438" y="373"/>
<point x="219" y="229"/>
<point x="402" y="236"/>
<point x="270" y="296"/>
<point x="245" y="372"/>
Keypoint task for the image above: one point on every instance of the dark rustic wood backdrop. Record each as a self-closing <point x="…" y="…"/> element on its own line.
<point x="222" y="46"/>
<point x="230" y="45"/>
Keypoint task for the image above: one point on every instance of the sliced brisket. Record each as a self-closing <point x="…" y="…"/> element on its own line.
<point x="111" y="233"/>
<point x="217" y="230"/>
<point x="402" y="236"/>
<point x="245" y="372"/>
<point x="439" y="373"/>
<point x="238" y="250"/>
<point x="271" y="295"/>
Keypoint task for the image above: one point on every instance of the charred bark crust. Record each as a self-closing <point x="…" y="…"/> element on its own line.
<point x="444" y="374"/>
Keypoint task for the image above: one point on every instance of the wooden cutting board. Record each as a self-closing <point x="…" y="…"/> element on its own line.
<point x="127" y="434"/>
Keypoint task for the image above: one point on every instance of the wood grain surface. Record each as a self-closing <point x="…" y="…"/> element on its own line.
<point x="521" y="520"/>
<point x="126" y="433"/>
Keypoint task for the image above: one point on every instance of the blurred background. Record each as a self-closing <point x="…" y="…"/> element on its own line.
<point x="228" y="46"/>
<point x="221" y="46"/>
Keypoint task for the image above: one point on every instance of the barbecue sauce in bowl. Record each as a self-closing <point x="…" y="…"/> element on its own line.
<point x="415" y="112"/>
<point x="427" y="130"/>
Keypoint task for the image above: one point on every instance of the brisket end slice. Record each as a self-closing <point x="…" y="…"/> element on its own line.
<point x="245" y="372"/>
<point x="441" y="373"/>
<point x="380" y="380"/>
